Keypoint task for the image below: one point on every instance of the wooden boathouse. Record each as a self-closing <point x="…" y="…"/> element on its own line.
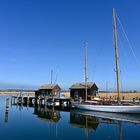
<point x="46" y="95"/>
<point x="49" y="90"/>
<point x="77" y="91"/>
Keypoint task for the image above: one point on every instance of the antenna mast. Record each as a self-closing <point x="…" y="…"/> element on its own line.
<point x="86" y="74"/>
<point x="116" y="54"/>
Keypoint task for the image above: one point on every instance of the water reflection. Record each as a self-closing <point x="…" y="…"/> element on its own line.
<point x="6" y="110"/>
<point x="83" y="121"/>
<point x="132" y="118"/>
<point x="91" y="120"/>
<point x="63" y="123"/>
<point x="47" y="114"/>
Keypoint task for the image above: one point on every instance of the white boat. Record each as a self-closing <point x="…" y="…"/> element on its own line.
<point x="115" y="108"/>
<point x="135" y="109"/>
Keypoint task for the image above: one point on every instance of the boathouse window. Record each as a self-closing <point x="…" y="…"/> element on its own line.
<point x="76" y="94"/>
<point x="47" y="93"/>
<point x="43" y="92"/>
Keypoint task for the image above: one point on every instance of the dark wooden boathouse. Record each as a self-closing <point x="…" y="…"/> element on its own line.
<point x="49" y="90"/>
<point x="77" y="91"/>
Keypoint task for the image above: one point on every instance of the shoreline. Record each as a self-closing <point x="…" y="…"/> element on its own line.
<point x="16" y="92"/>
<point x="112" y="95"/>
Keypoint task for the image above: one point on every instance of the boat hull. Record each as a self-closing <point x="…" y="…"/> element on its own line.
<point x="107" y="108"/>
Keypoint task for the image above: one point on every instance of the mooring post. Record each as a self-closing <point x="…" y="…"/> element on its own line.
<point x="11" y="100"/>
<point x="39" y="107"/>
<point x="40" y="100"/>
<point x="17" y="99"/>
<point x="68" y="103"/>
<point x="60" y="103"/>
<point x="27" y="100"/>
<point x="45" y="100"/>
<point x="35" y="102"/>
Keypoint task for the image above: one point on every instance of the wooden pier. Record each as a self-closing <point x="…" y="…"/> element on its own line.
<point x="42" y="101"/>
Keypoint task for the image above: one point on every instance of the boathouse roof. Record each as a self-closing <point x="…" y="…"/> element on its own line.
<point x="82" y="85"/>
<point x="49" y="86"/>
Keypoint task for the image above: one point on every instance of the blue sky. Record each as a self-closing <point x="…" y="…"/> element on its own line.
<point x="39" y="35"/>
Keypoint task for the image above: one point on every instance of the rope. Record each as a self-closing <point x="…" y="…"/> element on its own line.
<point x="130" y="46"/>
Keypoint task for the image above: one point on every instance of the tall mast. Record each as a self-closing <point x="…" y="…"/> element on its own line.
<point x="51" y="75"/>
<point x="86" y="74"/>
<point x="116" y="54"/>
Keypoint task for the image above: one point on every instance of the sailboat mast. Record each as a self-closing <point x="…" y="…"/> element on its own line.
<point x="51" y="75"/>
<point x="116" y="54"/>
<point x="86" y="75"/>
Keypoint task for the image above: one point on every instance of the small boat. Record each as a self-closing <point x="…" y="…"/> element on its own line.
<point x="116" y="107"/>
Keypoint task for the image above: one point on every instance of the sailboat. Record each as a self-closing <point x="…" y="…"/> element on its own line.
<point x="116" y="107"/>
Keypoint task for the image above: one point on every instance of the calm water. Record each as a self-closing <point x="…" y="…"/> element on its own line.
<point x="50" y="124"/>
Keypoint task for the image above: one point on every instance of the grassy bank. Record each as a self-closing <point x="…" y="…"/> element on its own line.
<point x="16" y="92"/>
<point x="124" y="95"/>
<point x="113" y="95"/>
